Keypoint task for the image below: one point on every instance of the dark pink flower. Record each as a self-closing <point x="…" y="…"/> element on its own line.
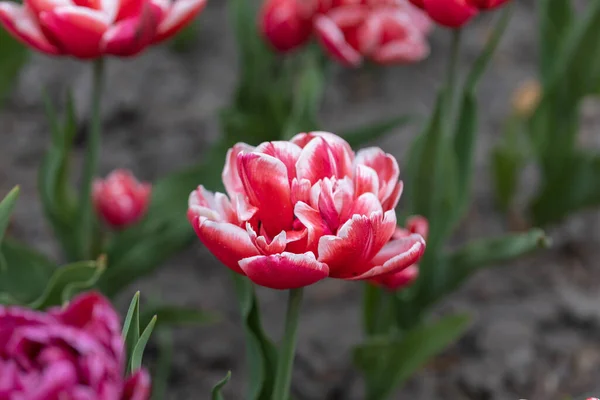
<point x="76" y="352"/>
<point x="398" y="280"/>
<point x="455" y="13"/>
<point x="89" y="29"/>
<point x="300" y="211"/>
<point x="120" y="199"/>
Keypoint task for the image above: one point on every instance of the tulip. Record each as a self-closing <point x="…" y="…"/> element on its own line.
<point x="76" y="352"/>
<point x="299" y="211"/>
<point x="398" y="280"/>
<point x="488" y="4"/>
<point x="450" y="13"/>
<point x="384" y="32"/>
<point x="91" y="29"/>
<point x="285" y="25"/>
<point x="120" y="199"/>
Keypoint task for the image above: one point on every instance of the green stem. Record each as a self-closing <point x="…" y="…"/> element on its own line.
<point x="86" y="220"/>
<point x="283" y="377"/>
<point x="451" y="77"/>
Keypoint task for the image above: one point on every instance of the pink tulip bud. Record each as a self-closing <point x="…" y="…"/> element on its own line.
<point x="120" y="199"/>
<point x="285" y="24"/>
<point x="91" y="29"/>
<point x="450" y="13"/>
<point x="74" y="352"/>
<point x="297" y="212"/>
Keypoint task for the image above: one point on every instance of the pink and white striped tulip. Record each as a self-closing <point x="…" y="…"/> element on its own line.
<point x="299" y="211"/>
<point x="89" y="29"/>
<point x="399" y="280"/>
<point x="121" y="200"/>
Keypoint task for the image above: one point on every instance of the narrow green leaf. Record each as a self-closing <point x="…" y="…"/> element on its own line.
<point x="66" y="279"/>
<point x="485" y="252"/>
<point x="7" y="205"/>
<point x="216" y="392"/>
<point x="24" y="273"/>
<point x="371" y="302"/>
<point x="160" y="379"/>
<point x="261" y="354"/>
<point x="138" y="351"/>
<point x="555" y="20"/>
<point x="13" y="56"/>
<point x="131" y="326"/>
<point x="389" y="362"/>
<point x="359" y="136"/>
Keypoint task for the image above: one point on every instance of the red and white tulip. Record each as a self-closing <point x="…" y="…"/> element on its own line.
<point x="89" y="29"/>
<point x="297" y="212"/>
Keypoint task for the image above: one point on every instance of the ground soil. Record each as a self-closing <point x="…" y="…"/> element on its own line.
<point x="536" y="330"/>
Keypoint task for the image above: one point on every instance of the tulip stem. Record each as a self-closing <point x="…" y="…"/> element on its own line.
<point x="90" y="167"/>
<point x="452" y="76"/>
<point x="283" y="377"/>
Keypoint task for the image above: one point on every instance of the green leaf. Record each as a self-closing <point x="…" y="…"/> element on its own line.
<point x="556" y="18"/>
<point x="67" y="281"/>
<point x="138" y="351"/>
<point x="186" y="39"/>
<point x="13" y="56"/>
<point x="359" y="136"/>
<point x="7" y="205"/>
<point x="176" y="315"/>
<point x="261" y="354"/>
<point x="389" y="362"/>
<point x="485" y="252"/>
<point x="24" y="273"/>
<point x="216" y="392"/>
<point x="131" y="326"/>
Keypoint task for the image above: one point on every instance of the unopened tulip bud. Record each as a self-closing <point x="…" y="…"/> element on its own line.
<point x="120" y="199"/>
<point x="526" y="98"/>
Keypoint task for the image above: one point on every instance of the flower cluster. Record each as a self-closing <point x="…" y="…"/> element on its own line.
<point x="76" y="352"/>
<point x="383" y="31"/>
<point x="304" y="210"/>
<point x="91" y="29"/>
<point x="455" y="13"/>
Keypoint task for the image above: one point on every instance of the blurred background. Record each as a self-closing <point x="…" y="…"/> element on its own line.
<point x="536" y="323"/>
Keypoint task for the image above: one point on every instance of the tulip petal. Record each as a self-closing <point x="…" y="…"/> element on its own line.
<point x="332" y="38"/>
<point x="230" y="176"/>
<point x="395" y="256"/>
<point x="287" y="152"/>
<point x="229" y="243"/>
<point x="181" y="13"/>
<point x="418" y="224"/>
<point x="392" y="201"/>
<point x="316" y="161"/>
<point x="386" y="167"/>
<point x="130" y="36"/>
<point x="267" y="185"/>
<point x="137" y="386"/>
<point x="286" y="23"/>
<point x="349" y="254"/>
<point x="285" y="270"/>
<point x="366" y="204"/>
<point x="398" y="280"/>
<point x="301" y="190"/>
<point x="401" y="51"/>
<point x="312" y="220"/>
<point x="21" y="24"/>
<point x="450" y="13"/>
<point x="342" y="152"/>
<point x="214" y="206"/>
<point x="277" y="245"/>
<point x="76" y="30"/>
<point x="365" y="180"/>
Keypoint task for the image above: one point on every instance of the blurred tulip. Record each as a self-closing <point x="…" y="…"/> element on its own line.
<point x="450" y="13"/>
<point x="285" y="25"/>
<point x="403" y="278"/>
<point x="93" y="28"/>
<point x="120" y="199"/>
<point x="385" y="32"/>
<point x="76" y="352"/>
<point x="304" y="210"/>
<point x="488" y="4"/>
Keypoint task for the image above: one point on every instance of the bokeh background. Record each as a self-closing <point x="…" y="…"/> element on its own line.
<point x="536" y="322"/>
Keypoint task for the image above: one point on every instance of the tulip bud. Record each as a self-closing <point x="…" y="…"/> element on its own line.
<point x="285" y="24"/>
<point x="120" y="199"/>
<point x="526" y="98"/>
<point x="450" y="13"/>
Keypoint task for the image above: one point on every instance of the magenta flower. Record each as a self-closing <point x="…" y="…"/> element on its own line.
<point x="75" y="353"/>
<point x="304" y="210"/>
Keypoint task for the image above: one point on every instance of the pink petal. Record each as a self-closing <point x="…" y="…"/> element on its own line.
<point x="332" y="38"/>
<point x="312" y="220"/>
<point x="244" y="211"/>
<point x="386" y="167"/>
<point x="231" y="177"/>
<point x="398" y="280"/>
<point x="130" y="36"/>
<point x="286" y="152"/>
<point x="365" y="180"/>
<point x="395" y="256"/>
<point x="401" y="51"/>
<point x="77" y="30"/>
<point x="366" y="204"/>
<point x="301" y="190"/>
<point x="137" y="387"/>
<point x="418" y="224"/>
<point x="227" y="242"/>
<point x="285" y="270"/>
<point x="21" y="24"/>
<point x="214" y="206"/>
<point x="277" y="245"/>
<point x="39" y="6"/>
<point x="392" y="201"/>
<point x="349" y="254"/>
<point x="342" y="151"/>
<point x="182" y="12"/>
<point x="297" y="241"/>
<point x="316" y="161"/>
<point x="267" y="185"/>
